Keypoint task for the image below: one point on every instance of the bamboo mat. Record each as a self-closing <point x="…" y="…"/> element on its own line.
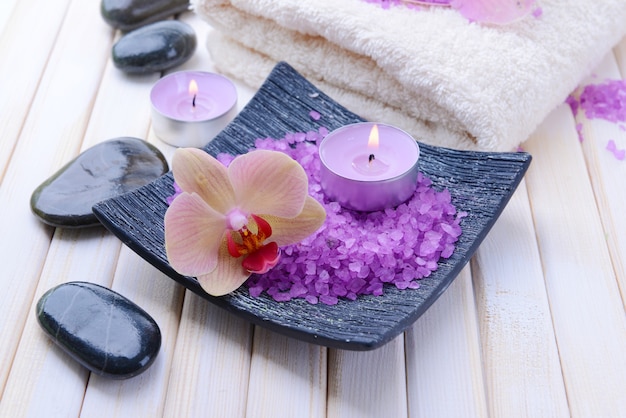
<point x="534" y="326"/>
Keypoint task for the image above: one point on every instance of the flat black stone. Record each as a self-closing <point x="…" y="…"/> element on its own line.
<point x="99" y="328"/>
<point x="103" y="171"/>
<point x="128" y="15"/>
<point x="155" y="47"/>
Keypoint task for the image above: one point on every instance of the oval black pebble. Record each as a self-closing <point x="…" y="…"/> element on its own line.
<point x="155" y="47"/>
<point x="128" y="15"/>
<point x="99" y="328"/>
<point x="103" y="171"/>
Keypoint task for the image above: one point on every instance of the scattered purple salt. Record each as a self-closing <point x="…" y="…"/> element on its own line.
<point x="355" y="253"/>
<point x="620" y="154"/>
<point x="579" y="131"/>
<point x="225" y="158"/>
<point x="177" y="191"/>
<point x="572" y="101"/>
<point x="315" y="115"/>
<point x="605" y="101"/>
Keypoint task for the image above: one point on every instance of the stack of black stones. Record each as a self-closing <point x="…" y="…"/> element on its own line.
<point x="150" y="43"/>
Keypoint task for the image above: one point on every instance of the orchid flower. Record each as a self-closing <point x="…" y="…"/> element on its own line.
<point x="230" y="222"/>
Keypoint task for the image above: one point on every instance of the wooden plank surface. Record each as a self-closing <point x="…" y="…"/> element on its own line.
<point x="606" y="171"/>
<point x="369" y="383"/>
<point x="25" y="54"/>
<point x="443" y="355"/>
<point x="519" y="351"/>
<point x="50" y="137"/>
<point x="587" y="311"/>
<point x="534" y="327"/>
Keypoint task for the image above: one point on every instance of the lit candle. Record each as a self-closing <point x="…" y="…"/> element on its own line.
<point x="368" y="166"/>
<point x="190" y="107"/>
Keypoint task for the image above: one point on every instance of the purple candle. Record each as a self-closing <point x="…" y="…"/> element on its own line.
<point x="369" y="166"/>
<point x="190" y="107"/>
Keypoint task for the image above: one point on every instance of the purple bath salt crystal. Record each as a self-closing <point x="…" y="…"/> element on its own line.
<point x="363" y="272"/>
<point x="447" y="251"/>
<point x="356" y="285"/>
<point x="328" y="299"/>
<point x="298" y="289"/>
<point x="282" y="297"/>
<point x="315" y="115"/>
<point x="451" y="229"/>
<point x="339" y="289"/>
<point x="310" y="268"/>
<point x="177" y="191"/>
<point x="356" y="253"/>
<point x="225" y="158"/>
<point x="322" y="288"/>
<point x="355" y="266"/>
<point x="401" y="285"/>
<point x="311" y="299"/>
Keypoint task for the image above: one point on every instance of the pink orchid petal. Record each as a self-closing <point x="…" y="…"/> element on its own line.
<point x="229" y="274"/>
<point x="193" y="235"/>
<point x="287" y="231"/>
<point x="268" y="182"/>
<point x="195" y="171"/>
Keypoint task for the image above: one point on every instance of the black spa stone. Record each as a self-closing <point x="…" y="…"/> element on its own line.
<point x="155" y="47"/>
<point x="128" y="15"/>
<point x="99" y="328"/>
<point x="103" y="171"/>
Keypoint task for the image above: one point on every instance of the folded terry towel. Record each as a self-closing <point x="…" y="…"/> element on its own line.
<point x="447" y="81"/>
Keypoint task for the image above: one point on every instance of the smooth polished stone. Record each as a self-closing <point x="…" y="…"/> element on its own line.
<point x="99" y="328"/>
<point x="128" y="15"/>
<point x="103" y="171"/>
<point x="155" y="47"/>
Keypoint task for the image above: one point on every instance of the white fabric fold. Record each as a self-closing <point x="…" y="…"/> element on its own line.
<point x="447" y="81"/>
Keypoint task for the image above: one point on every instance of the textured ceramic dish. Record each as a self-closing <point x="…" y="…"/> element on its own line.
<point x="481" y="184"/>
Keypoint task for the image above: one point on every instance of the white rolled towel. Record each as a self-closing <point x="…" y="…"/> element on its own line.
<point x="448" y="81"/>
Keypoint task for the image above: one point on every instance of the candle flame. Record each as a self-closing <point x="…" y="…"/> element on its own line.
<point x="372" y="143"/>
<point x="193" y="88"/>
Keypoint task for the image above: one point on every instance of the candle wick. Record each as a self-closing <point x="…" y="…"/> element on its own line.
<point x="193" y="102"/>
<point x="371" y="158"/>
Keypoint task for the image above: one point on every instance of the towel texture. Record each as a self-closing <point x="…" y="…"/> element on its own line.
<point x="448" y="81"/>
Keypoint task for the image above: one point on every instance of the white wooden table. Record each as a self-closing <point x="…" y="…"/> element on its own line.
<point x="535" y="326"/>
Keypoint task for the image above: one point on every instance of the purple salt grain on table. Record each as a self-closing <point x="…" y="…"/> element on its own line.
<point x="355" y="253"/>
<point x="620" y="154"/>
<point x="315" y="115"/>
<point x="605" y="101"/>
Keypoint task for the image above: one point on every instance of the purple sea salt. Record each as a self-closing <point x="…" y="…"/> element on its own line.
<point x="355" y="253"/>
<point x="620" y="154"/>
<point x="315" y="115"/>
<point x="605" y="101"/>
<point x="177" y="191"/>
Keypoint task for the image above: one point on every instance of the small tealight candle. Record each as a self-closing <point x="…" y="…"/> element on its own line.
<point x="190" y="107"/>
<point x="369" y="166"/>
